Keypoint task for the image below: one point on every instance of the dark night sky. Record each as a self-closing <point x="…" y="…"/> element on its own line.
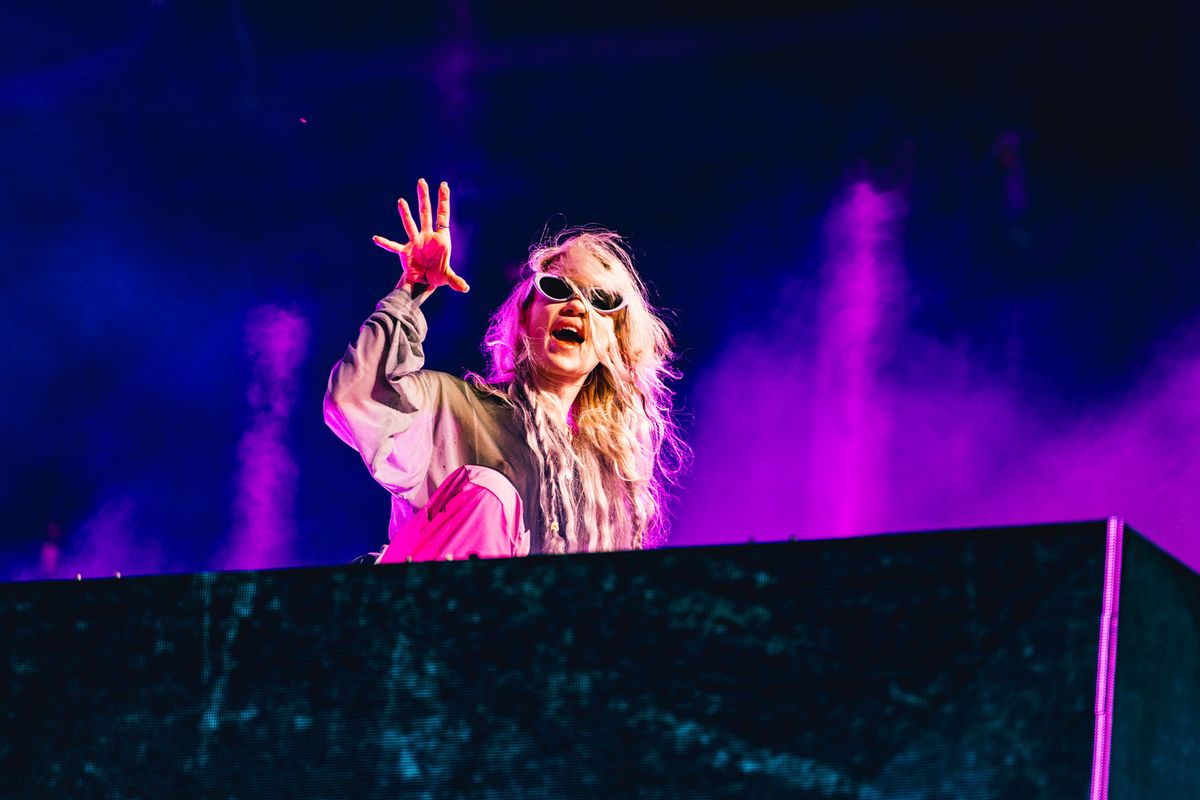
<point x="159" y="185"/>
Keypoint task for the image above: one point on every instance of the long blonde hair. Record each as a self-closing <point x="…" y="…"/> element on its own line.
<point x="603" y="486"/>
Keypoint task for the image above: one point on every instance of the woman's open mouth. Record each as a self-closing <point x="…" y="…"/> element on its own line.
<point x="568" y="331"/>
<point x="568" y="335"/>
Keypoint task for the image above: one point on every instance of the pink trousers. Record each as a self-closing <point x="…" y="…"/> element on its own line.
<point x="475" y="511"/>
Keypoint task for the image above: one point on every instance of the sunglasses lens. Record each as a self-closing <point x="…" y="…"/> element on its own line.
<point x="603" y="300"/>
<point x="555" y="288"/>
<point x="558" y="290"/>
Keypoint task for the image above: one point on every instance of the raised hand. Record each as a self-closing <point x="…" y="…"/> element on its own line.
<point x="426" y="256"/>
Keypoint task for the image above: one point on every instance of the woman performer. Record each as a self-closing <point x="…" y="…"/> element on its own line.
<point x="565" y="445"/>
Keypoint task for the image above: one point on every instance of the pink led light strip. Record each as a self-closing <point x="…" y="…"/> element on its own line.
<point x="1106" y="662"/>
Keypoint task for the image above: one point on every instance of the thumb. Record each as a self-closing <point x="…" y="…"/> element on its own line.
<point x="456" y="282"/>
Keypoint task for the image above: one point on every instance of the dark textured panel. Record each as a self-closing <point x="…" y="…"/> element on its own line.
<point x="1156" y="705"/>
<point x="922" y="666"/>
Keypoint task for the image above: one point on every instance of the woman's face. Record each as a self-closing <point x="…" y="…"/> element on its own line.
<point x="564" y="347"/>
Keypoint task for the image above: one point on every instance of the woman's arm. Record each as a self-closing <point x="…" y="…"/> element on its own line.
<point x="379" y="401"/>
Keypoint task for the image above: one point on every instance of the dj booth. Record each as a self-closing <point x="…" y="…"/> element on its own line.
<point x="966" y="664"/>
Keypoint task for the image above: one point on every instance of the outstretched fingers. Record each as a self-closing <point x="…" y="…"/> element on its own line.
<point x="426" y="255"/>
<point x="423" y="205"/>
<point x="406" y="217"/>
<point x="388" y="244"/>
<point x="443" y="208"/>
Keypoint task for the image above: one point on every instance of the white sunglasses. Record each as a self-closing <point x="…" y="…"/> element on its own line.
<point x="558" y="289"/>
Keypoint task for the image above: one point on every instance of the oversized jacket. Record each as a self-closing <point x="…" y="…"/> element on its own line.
<point x="414" y="426"/>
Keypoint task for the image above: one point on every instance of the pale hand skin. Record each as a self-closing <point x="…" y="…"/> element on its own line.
<point x="426" y="255"/>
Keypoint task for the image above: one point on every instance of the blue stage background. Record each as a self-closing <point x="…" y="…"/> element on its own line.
<point x="182" y="183"/>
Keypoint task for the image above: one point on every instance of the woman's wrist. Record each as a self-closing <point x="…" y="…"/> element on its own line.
<point x="416" y="290"/>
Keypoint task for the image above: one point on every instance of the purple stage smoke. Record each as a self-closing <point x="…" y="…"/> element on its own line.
<point x="106" y="544"/>
<point x="264" y="527"/>
<point x="856" y="323"/>
<point x="837" y="419"/>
